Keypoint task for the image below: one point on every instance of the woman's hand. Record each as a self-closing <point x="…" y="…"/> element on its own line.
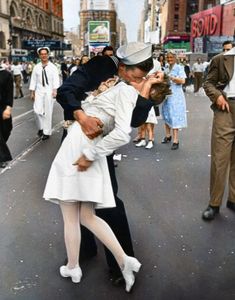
<point x="177" y="80"/>
<point x="82" y="163"/>
<point x="6" y="113"/>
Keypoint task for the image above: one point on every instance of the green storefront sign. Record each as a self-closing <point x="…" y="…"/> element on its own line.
<point x="177" y="45"/>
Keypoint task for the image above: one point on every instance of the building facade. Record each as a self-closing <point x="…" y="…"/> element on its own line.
<point x="211" y="27"/>
<point x="30" y="20"/>
<point x="167" y="24"/>
<point x="175" y="24"/>
<point x="205" y="4"/>
<point x="151" y="23"/>
<point x="4" y="29"/>
<point x="97" y="13"/>
<point x="121" y="37"/>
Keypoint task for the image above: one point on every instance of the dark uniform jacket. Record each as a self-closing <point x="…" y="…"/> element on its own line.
<point x="87" y="78"/>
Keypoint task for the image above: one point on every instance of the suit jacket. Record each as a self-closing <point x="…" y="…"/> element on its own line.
<point x="219" y="74"/>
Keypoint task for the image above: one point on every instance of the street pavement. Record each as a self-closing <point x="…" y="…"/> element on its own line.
<point x="165" y="192"/>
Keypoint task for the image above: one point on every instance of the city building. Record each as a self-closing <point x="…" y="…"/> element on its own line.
<point x="175" y="24"/>
<point x="28" y="21"/>
<point x="98" y="25"/>
<point x="212" y="26"/>
<point x="71" y="38"/>
<point x="167" y="24"/>
<point x="205" y="4"/>
<point x="4" y="29"/>
<point x="151" y="22"/>
<point x="121" y="37"/>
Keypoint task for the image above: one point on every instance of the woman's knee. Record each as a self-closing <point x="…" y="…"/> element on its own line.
<point x="86" y="214"/>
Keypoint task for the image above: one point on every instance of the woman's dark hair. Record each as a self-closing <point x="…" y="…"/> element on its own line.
<point x="160" y="91"/>
<point x="144" y="66"/>
<point x="163" y="59"/>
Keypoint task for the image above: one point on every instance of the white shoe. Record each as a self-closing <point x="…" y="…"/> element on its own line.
<point x="142" y="143"/>
<point x="75" y="273"/>
<point x="131" y="265"/>
<point x="149" y="145"/>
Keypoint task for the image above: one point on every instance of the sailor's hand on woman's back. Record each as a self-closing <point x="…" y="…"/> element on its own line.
<point x="91" y="126"/>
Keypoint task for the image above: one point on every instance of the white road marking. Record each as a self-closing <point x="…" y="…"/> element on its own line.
<point x="22" y="115"/>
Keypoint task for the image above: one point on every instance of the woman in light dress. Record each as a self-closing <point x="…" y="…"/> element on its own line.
<point x="174" y="108"/>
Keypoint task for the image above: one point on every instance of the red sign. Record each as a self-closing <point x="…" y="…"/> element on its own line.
<point x="207" y="22"/>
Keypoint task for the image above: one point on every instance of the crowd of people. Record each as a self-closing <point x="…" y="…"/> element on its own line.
<point x="103" y="98"/>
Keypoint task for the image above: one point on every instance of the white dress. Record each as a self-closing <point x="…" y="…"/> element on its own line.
<point x="114" y="108"/>
<point x="152" y="118"/>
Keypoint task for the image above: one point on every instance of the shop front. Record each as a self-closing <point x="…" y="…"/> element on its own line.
<point x="179" y="43"/>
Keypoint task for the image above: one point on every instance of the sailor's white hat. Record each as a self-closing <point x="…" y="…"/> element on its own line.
<point x="43" y="48"/>
<point x="134" y="53"/>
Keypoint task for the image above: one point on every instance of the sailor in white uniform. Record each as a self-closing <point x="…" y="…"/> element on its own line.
<point x="43" y="86"/>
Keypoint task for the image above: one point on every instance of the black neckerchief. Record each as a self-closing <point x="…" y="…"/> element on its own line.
<point x="44" y="75"/>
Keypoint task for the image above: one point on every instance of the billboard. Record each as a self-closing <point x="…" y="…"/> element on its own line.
<point x="98" y="32"/>
<point x="207" y="22"/>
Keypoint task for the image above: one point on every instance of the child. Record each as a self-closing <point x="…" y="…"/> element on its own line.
<point x="158" y="93"/>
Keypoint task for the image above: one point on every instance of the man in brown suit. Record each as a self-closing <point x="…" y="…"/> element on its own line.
<point x="220" y="88"/>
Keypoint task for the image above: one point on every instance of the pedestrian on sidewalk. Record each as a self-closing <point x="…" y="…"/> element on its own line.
<point x="108" y="50"/>
<point x="220" y="88"/>
<point x="43" y="87"/>
<point x="16" y="70"/>
<point x="174" y="108"/>
<point x="6" y="103"/>
<point x="227" y="45"/>
<point x="81" y="163"/>
<point x="198" y="71"/>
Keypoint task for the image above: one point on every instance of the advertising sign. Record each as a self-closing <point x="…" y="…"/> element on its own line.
<point x="98" y="32"/>
<point x="207" y="22"/>
<point x="198" y="45"/>
<point x="52" y="44"/>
